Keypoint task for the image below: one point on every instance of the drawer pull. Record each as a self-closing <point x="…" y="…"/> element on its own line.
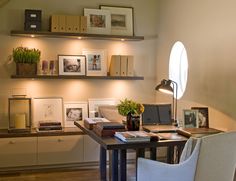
<point x="12" y="142"/>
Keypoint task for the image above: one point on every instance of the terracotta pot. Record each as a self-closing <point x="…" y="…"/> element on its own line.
<point x="132" y="122"/>
<point x="26" y="69"/>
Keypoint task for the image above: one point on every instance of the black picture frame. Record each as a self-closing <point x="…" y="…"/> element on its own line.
<point x="203" y="116"/>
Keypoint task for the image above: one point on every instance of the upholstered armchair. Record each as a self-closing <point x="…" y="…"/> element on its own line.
<point x="212" y="159"/>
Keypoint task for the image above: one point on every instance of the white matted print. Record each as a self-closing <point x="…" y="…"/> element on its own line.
<point x="96" y="62"/>
<point x="47" y="109"/>
<point x="71" y="64"/>
<point x="121" y="20"/>
<point x="98" y="21"/>
<point x="95" y="103"/>
<point x="190" y="118"/>
<point x="75" y="111"/>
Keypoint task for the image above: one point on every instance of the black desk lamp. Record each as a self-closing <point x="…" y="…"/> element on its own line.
<point x="165" y="87"/>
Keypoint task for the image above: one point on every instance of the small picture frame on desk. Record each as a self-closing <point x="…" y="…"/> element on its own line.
<point x="203" y="116"/>
<point x="190" y="118"/>
<point x="72" y="64"/>
<point x="74" y="111"/>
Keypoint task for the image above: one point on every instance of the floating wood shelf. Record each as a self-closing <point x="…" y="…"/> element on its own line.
<point x="77" y="77"/>
<point x="75" y="35"/>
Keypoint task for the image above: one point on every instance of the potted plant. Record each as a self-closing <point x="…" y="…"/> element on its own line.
<point x="26" y="60"/>
<point x="132" y="111"/>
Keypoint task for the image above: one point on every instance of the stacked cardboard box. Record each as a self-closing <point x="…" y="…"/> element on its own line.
<point x="68" y="23"/>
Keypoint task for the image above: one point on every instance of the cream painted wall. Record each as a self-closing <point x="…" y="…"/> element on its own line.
<point x="207" y="28"/>
<point x="145" y="24"/>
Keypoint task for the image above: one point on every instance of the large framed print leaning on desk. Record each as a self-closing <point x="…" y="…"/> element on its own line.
<point x="119" y="150"/>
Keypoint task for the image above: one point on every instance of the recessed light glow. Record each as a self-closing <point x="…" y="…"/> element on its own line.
<point x="79" y="38"/>
<point x="122" y="39"/>
<point x="32" y="36"/>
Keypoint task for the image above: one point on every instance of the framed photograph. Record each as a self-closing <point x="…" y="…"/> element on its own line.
<point x="95" y="103"/>
<point x="47" y="109"/>
<point x="98" y="21"/>
<point x="75" y="111"/>
<point x="72" y="64"/>
<point x="190" y="118"/>
<point x="203" y="117"/>
<point x="121" y="20"/>
<point x="96" y="61"/>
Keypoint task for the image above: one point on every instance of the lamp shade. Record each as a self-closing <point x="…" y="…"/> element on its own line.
<point x="165" y="87"/>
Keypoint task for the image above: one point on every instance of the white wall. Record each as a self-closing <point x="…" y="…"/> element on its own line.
<point x="207" y="28"/>
<point x="145" y="24"/>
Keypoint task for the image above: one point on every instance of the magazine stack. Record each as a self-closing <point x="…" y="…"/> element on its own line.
<point x="50" y="126"/>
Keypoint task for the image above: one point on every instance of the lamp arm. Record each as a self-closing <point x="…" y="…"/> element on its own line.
<point x="175" y="88"/>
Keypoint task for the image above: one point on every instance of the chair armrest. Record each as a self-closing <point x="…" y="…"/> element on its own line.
<point x="152" y="170"/>
<point x="157" y="171"/>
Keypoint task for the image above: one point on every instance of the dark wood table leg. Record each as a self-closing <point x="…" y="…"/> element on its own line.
<point x="153" y="153"/>
<point x="170" y="154"/>
<point x="123" y="166"/>
<point x="103" y="164"/>
<point x="140" y="152"/>
<point x="114" y="176"/>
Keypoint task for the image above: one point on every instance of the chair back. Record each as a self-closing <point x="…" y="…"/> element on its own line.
<point x="217" y="158"/>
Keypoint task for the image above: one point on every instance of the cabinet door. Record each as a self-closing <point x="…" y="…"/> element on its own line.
<point x="18" y="152"/>
<point x="60" y="149"/>
<point x="91" y="149"/>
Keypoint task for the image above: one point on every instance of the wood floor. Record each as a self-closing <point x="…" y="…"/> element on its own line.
<point x="79" y="174"/>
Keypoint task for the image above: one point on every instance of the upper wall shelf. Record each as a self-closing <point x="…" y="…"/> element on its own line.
<point x="77" y="77"/>
<point x="75" y="35"/>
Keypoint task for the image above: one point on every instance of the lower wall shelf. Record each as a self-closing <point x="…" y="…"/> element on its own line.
<point x="77" y="77"/>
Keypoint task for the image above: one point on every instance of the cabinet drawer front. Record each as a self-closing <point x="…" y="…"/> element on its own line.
<point x="60" y="149"/>
<point x="18" y="151"/>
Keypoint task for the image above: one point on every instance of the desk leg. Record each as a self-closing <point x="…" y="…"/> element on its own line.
<point x="123" y="170"/>
<point x="114" y="165"/>
<point x="153" y="152"/>
<point x="170" y="154"/>
<point x="140" y="152"/>
<point x="103" y="164"/>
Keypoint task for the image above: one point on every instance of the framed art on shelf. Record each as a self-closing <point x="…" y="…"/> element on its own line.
<point x="190" y="118"/>
<point x="203" y="117"/>
<point x="96" y="62"/>
<point x="47" y="109"/>
<point x="72" y="64"/>
<point x="121" y="20"/>
<point x="75" y="111"/>
<point x="96" y="102"/>
<point x="98" y="21"/>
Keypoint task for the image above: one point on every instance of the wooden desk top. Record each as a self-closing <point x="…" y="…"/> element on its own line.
<point x="110" y="143"/>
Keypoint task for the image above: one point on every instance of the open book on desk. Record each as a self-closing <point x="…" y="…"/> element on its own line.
<point x="159" y="128"/>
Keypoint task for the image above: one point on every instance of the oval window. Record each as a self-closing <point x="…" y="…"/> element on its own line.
<point x="178" y="67"/>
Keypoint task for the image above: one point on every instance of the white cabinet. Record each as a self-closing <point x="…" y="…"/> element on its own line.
<point x="60" y="149"/>
<point x="18" y="151"/>
<point x="91" y="149"/>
